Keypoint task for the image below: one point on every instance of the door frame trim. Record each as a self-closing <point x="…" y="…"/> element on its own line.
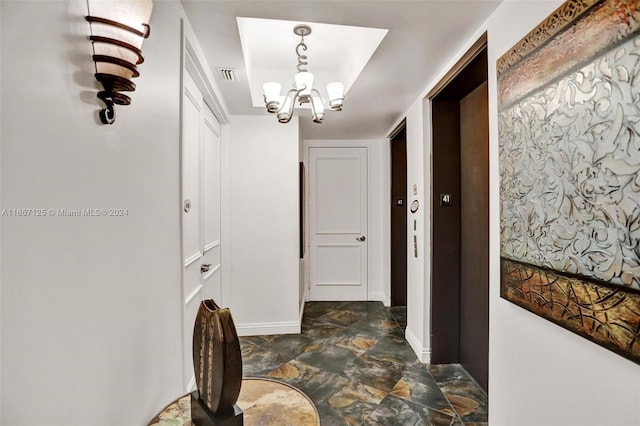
<point x="460" y="66"/>
<point x="471" y="53"/>
<point x="401" y="127"/>
<point x="402" y="124"/>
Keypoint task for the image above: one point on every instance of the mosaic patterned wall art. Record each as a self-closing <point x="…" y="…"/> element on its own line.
<point x="569" y="132"/>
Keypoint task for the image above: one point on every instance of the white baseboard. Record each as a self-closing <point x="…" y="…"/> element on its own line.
<point x="380" y="296"/>
<point x="260" y="329"/>
<point x="423" y="354"/>
<point x="305" y="297"/>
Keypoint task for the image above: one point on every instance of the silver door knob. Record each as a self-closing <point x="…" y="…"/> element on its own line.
<point x="362" y="238"/>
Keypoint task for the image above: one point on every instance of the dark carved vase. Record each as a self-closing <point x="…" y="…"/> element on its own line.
<point x="217" y="359"/>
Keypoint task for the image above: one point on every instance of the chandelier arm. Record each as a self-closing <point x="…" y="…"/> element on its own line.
<point x="289" y="113"/>
<point x="314" y="113"/>
<point x="271" y="106"/>
<point x="302" y="99"/>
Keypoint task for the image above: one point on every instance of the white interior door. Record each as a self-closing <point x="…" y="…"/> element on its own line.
<point x="200" y="213"/>
<point x="338" y="223"/>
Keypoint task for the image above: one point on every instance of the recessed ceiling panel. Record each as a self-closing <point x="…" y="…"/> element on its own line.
<point x="334" y="53"/>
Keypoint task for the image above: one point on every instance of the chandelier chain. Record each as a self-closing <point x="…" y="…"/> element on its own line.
<point x="302" y="59"/>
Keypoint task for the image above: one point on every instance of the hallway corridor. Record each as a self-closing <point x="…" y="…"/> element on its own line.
<point x="352" y="360"/>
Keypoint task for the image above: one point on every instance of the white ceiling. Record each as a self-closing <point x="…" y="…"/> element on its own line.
<point x="423" y="35"/>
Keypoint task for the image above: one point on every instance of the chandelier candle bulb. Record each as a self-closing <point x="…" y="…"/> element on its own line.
<point x="285" y="113"/>
<point x="272" y="95"/>
<point x="335" y="90"/>
<point x="304" y="83"/>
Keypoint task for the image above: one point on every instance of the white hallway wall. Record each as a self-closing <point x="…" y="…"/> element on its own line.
<point x="539" y="373"/>
<point x="90" y="305"/>
<point x="1" y="204"/>
<point x="262" y="174"/>
<point x="418" y="294"/>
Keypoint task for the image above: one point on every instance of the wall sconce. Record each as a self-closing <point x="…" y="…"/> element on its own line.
<point x="118" y="29"/>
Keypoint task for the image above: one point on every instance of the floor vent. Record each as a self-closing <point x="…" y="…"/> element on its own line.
<point x="227" y="74"/>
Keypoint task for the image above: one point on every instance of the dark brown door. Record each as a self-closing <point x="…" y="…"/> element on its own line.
<point x="460" y="220"/>
<point x="445" y="232"/>
<point x="474" y="234"/>
<point x="399" y="218"/>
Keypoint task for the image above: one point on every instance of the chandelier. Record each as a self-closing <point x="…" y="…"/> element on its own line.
<point x="302" y="91"/>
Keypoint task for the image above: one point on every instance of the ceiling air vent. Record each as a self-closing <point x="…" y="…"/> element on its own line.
<point x="227" y="74"/>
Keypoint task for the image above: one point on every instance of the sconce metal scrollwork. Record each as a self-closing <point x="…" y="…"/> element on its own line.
<point x="117" y="32"/>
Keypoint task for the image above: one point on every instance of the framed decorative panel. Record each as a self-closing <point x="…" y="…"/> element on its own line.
<point x="569" y="132"/>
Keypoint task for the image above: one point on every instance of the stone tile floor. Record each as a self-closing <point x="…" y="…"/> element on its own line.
<point x="352" y="360"/>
